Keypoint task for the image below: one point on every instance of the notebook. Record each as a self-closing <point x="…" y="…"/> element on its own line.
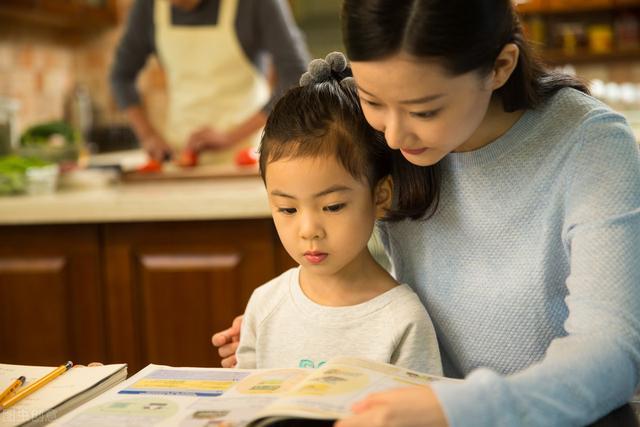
<point x="64" y="393"/>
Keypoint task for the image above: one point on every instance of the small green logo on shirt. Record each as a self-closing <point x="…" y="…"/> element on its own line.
<point x="308" y="363"/>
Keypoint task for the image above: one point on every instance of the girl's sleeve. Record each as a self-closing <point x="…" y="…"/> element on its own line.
<point x="246" y="352"/>
<point x="595" y="367"/>
<point x="417" y="347"/>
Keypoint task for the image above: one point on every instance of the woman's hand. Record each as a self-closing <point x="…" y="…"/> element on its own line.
<point x="156" y="147"/>
<point x="227" y="342"/>
<point x="402" y="407"/>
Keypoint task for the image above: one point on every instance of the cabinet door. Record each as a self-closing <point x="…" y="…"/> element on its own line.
<point x="50" y="295"/>
<point x="171" y="285"/>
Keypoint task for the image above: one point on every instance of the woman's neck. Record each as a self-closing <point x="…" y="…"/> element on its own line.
<point x="358" y="282"/>
<point x="495" y="124"/>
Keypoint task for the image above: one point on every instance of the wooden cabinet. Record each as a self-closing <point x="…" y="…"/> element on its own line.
<point x="50" y="295"/>
<point x="134" y="293"/>
<point x="68" y="14"/>
<point x="574" y="31"/>
<point x="178" y="283"/>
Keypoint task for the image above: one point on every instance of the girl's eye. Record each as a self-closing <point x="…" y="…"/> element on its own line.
<point x="426" y="114"/>
<point x="334" y="208"/>
<point x="287" y="211"/>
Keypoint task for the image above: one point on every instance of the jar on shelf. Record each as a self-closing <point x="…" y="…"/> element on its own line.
<point x="600" y="38"/>
<point x="626" y="31"/>
<point x="8" y="131"/>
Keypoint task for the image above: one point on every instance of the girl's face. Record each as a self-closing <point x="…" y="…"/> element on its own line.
<point x="422" y="110"/>
<point x="323" y="215"/>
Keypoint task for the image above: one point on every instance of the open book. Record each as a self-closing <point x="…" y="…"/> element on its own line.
<point x="68" y="391"/>
<point x="191" y="397"/>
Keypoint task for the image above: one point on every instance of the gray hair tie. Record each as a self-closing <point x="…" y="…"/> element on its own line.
<point x="321" y="70"/>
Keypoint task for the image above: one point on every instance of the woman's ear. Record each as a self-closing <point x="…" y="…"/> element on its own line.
<point x="383" y="196"/>
<point x="505" y="64"/>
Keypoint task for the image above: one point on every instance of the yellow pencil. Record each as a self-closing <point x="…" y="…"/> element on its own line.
<point x="36" y="385"/>
<point x="12" y="388"/>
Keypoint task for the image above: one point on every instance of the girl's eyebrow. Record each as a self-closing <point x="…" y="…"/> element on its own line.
<point x="332" y="189"/>
<point x="421" y="100"/>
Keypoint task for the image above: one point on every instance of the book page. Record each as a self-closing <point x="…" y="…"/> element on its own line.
<point x="199" y="397"/>
<point x="329" y="392"/>
<point x="188" y="397"/>
<point x="73" y="382"/>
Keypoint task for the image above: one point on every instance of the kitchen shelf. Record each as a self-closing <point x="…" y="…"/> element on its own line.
<point x="559" y="57"/>
<point x="543" y="8"/>
<point x="590" y="30"/>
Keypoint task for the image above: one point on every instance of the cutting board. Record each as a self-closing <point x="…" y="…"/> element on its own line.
<point x="174" y="172"/>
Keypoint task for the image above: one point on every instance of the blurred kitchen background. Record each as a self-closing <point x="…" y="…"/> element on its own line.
<point x="49" y="48"/>
<point x="145" y="271"/>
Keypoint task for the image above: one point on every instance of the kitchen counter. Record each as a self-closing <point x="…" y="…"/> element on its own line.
<point x="211" y="199"/>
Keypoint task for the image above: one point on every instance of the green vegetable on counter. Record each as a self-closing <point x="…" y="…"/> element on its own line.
<point x="13" y="170"/>
<point x="41" y="134"/>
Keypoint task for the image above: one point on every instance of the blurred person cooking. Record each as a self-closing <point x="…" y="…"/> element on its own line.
<point x="215" y="55"/>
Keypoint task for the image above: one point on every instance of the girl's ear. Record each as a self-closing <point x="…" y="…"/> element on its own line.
<point x="383" y="196"/>
<point x="505" y="64"/>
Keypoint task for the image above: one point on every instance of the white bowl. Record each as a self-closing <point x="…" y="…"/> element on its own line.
<point x="42" y="180"/>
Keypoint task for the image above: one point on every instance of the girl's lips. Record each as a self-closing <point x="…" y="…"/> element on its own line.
<point x="315" y="257"/>
<point x="414" y="152"/>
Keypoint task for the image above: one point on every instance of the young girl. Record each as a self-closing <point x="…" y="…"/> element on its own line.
<point x="528" y="261"/>
<point x="326" y="174"/>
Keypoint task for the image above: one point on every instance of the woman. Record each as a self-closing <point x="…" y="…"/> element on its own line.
<point x="213" y="54"/>
<point x="518" y="199"/>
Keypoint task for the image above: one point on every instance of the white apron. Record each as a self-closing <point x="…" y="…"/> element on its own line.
<point x="211" y="81"/>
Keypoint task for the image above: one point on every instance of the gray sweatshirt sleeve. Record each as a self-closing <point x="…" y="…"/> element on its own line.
<point x="417" y="348"/>
<point x="135" y="46"/>
<point x="246" y="352"/>
<point x="278" y="34"/>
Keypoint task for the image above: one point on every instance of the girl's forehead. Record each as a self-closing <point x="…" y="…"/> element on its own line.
<point x="307" y="170"/>
<point x="321" y="164"/>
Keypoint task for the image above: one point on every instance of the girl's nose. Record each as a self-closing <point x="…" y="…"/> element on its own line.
<point x="311" y="228"/>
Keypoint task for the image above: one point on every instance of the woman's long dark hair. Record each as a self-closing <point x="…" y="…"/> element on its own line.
<point x="465" y="35"/>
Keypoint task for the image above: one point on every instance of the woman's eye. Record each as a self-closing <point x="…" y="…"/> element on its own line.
<point x="335" y="208"/>
<point x="287" y="211"/>
<point x="371" y="103"/>
<point x="426" y="114"/>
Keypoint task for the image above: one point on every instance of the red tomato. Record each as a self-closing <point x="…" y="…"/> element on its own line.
<point x="246" y="157"/>
<point x="151" y="166"/>
<point x="188" y="159"/>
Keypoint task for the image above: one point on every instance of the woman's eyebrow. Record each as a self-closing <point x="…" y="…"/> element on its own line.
<point x="421" y="100"/>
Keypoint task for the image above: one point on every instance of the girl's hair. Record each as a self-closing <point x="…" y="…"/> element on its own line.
<point x="324" y="119"/>
<point x="464" y="35"/>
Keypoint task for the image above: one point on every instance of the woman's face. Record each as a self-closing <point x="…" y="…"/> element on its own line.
<point x="422" y="110"/>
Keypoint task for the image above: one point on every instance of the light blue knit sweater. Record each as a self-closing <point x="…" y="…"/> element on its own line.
<point x="530" y="269"/>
